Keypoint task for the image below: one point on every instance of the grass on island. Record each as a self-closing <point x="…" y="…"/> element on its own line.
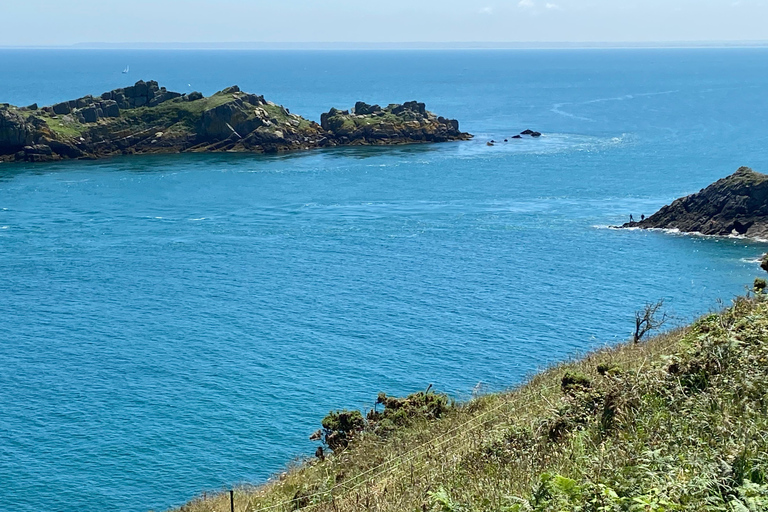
<point x="177" y="110"/>
<point x="351" y="123"/>
<point x="176" y="115"/>
<point x="68" y="130"/>
<point x="678" y="422"/>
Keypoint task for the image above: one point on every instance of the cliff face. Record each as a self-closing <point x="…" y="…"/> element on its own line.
<point x="737" y="204"/>
<point x="146" y="118"/>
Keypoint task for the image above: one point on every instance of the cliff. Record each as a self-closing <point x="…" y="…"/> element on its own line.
<point x="147" y="118"/>
<point x="735" y="205"/>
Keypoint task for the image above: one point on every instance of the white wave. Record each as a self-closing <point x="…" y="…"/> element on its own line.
<point x="4" y="227"/>
<point x="201" y="218"/>
<point x="697" y="234"/>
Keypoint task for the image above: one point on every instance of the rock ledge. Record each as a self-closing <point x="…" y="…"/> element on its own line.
<point x="736" y="205"/>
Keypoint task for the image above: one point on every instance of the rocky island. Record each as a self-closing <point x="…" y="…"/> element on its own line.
<point x="146" y="118"/>
<point x="736" y="205"/>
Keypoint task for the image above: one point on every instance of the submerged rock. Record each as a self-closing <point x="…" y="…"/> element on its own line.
<point x="736" y="205"/>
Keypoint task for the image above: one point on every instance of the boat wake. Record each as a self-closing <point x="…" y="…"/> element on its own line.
<point x="557" y="107"/>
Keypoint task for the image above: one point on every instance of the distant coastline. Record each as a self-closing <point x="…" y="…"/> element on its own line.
<point x="414" y="45"/>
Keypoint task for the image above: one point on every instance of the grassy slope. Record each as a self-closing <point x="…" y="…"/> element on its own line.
<point x="675" y="423"/>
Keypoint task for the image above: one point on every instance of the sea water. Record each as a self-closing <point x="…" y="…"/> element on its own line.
<point x="176" y="324"/>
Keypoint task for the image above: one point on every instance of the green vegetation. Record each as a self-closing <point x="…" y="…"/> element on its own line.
<point x="675" y="423"/>
<point x="58" y="125"/>
<point x="174" y="111"/>
<point x="341" y="427"/>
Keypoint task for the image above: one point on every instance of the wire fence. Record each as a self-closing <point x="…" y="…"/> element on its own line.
<point x="378" y="471"/>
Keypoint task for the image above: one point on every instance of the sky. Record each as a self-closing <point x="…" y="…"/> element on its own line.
<point x="67" y="22"/>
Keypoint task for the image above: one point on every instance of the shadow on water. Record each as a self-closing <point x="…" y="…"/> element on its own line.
<point x="163" y="162"/>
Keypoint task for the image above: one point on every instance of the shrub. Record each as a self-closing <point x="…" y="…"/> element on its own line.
<point x="574" y="381"/>
<point x="339" y="427"/>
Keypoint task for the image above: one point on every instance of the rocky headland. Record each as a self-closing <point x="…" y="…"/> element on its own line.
<point x="736" y="205"/>
<point x="146" y="118"/>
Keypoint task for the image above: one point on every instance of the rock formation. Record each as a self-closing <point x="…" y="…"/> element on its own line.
<point x="147" y="118"/>
<point x="395" y="124"/>
<point x="736" y="205"/>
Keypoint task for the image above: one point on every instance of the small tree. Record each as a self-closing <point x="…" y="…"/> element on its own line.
<point x="648" y="319"/>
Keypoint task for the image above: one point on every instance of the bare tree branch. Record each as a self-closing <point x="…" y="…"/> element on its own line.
<point x="648" y="320"/>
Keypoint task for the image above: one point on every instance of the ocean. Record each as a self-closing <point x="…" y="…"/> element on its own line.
<point x="171" y="325"/>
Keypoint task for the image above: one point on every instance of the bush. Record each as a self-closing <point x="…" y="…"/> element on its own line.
<point x="574" y="381"/>
<point x="339" y="427"/>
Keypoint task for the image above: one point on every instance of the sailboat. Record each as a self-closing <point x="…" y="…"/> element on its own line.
<point x="125" y="71"/>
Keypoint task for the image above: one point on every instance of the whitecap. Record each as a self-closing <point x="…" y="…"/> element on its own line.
<point x="201" y="218"/>
<point x="602" y="226"/>
<point x="698" y="234"/>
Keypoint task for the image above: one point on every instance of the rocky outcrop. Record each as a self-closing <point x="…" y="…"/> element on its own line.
<point x="364" y="109"/>
<point x="140" y="94"/>
<point x="736" y="205"/>
<point x="15" y="131"/>
<point x="395" y="124"/>
<point x="147" y="118"/>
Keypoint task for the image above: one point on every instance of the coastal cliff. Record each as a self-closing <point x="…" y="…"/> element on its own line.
<point x="146" y="118"/>
<point x="736" y="205"/>
<point x="666" y="424"/>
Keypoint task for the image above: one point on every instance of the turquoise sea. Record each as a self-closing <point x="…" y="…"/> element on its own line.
<point x="173" y="325"/>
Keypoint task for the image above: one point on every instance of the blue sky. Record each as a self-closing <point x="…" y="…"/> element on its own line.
<point x="54" y="22"/>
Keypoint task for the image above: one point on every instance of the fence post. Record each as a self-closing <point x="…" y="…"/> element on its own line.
<point x="232" y="500"/>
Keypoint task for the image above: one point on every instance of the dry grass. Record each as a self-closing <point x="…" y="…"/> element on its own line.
<point x="674" y="423"/>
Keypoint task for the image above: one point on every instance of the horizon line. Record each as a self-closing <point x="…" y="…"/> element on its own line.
<point x="414" y="45"/>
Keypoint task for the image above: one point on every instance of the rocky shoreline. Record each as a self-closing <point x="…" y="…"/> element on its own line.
<point x="146" y="118"/>
<point x="736" y="205"/>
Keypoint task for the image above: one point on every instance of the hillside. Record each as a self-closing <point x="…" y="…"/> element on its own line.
<point x="677" y="422"/>
<point x="735" y="205"/>
<point x="146" y="118"/>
